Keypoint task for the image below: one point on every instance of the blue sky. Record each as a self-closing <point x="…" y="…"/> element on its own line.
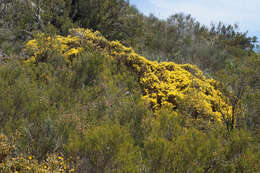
<point x="245" y="13"/>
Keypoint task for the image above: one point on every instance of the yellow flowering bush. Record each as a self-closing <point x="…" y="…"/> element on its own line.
<point x="182" y="88"/>
<point x="5" y="148"/>
<point x="67" y="46"/>
<point x="24" y="164"/>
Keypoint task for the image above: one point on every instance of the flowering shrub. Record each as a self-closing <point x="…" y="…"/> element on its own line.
<point x="21" y="163"/>
<point x="68" y="46"/>
<point x="182" y="88"/>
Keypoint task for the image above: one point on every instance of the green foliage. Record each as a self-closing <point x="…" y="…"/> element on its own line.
<point x="75" y="103"/>
<point x="49" y="102"/>
<point x="11" y="162"/>
<point x="21" y="19"/>
<point x="241" y="83"/>
<point x="30" y="15"/>
<point x="114" y="18"/>
<point x="172" y="147"/>
<point x="107" y="148"/>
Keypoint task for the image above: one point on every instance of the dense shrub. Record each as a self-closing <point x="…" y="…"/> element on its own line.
<point x="163" y="84"/>
<point x="81" y="103"/>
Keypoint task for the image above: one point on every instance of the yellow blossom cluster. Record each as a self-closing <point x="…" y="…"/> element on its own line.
<point x="26" y="164"/>
<point x="5" y="148"/>
<point x="23" y="164"/>
<point x="39" y="47"/>
<point x="182" y="88"/>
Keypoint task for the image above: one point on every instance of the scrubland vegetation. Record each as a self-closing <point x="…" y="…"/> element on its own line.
<point x="95" y="86"/>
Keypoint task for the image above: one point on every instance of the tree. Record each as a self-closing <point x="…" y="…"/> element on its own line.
<point x="22" y="18"/>
<point x="115" y="19"/>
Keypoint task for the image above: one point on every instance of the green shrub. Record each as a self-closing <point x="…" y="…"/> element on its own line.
<point x="106" y="148"/>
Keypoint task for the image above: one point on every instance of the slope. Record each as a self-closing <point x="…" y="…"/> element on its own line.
<point x="182" y="88"/>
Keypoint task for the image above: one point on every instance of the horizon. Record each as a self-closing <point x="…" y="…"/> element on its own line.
<point x="197" y="9"/>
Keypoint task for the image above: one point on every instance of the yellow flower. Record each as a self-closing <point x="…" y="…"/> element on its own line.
<point x="164" y="84"/>
<point x="30" y="157"/>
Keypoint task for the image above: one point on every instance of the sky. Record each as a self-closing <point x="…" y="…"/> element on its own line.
<point x="245" y="13"/>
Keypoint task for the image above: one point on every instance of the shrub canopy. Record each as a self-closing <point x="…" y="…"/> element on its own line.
<point x="182" y="88"/>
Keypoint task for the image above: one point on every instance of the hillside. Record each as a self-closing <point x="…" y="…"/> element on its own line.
<point x="164" y="84"/>
<point x="81" y="102"/>
<point x="96" y="86"/>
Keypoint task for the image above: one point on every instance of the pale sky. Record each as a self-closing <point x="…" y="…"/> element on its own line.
<point x="245" y="13"/>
